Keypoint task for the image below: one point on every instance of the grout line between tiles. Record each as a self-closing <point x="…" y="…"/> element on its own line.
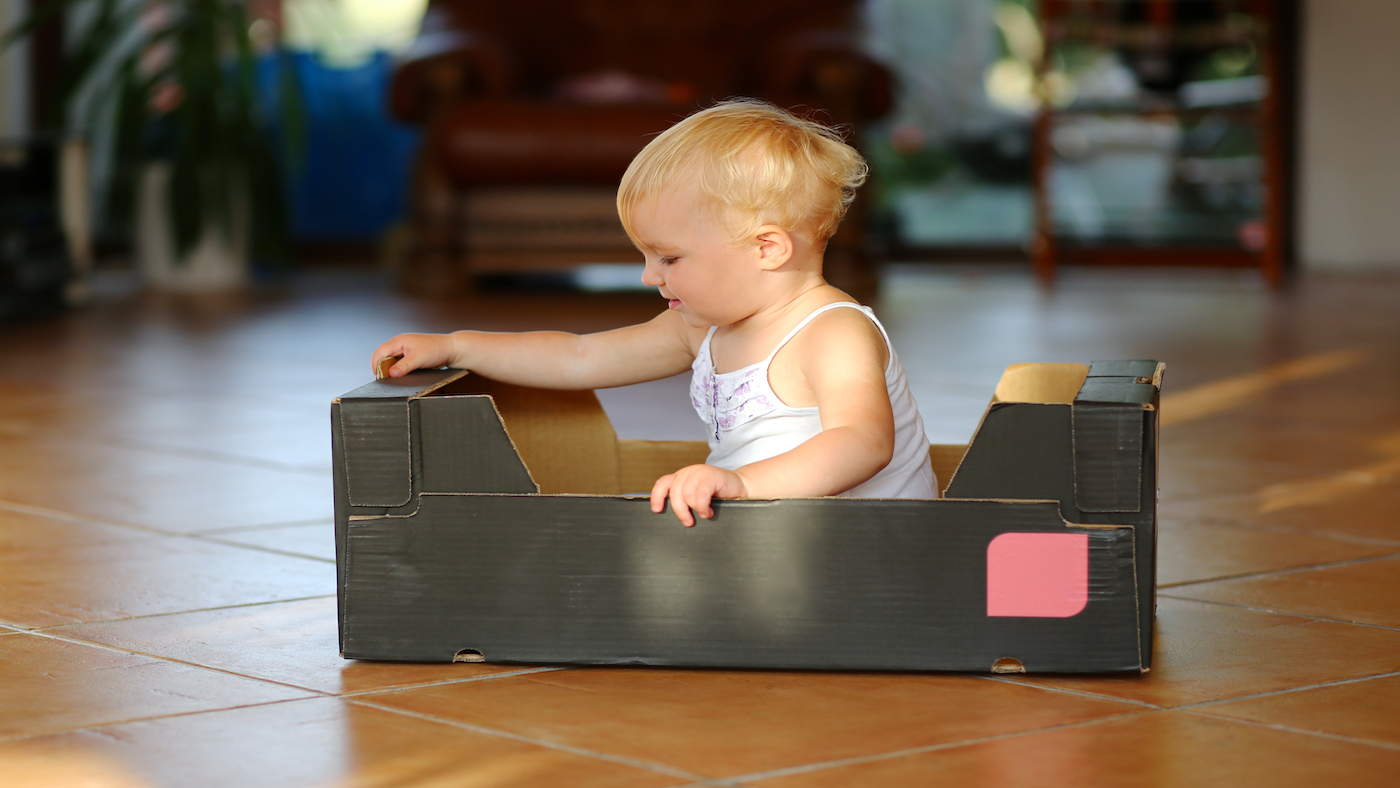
<point x="83" y="438"/>
<point x="446" y="682"/>
<point x="1271" y="693"/>
<point x="237" y="529"/>
<point x="104" y="725"/>
<point x="1259" y="609"/>
<point x="132" y="652"/>
<point x="1067" y="691"/>
<point x="1292" y="570"/>
<point x="263" y="548"/>
<point x="1303" y="731"/>
<point x="1280" y="529"/>
<point x="69" y="638"/>
<point x="171" y="613"/>
<point x="619" y="759"/>
<point x="69" y="517"/>
<point x="56" y="514"/>
<point x="814" y="767"/>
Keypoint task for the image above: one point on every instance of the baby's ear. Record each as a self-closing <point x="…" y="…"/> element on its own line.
<point x="774" y="246"/>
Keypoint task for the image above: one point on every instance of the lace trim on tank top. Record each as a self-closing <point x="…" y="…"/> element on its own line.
<point x="726" y="400"/>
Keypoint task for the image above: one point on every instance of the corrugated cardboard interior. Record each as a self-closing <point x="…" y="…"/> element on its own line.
<point x="569" y="446"/>
<point x="1047" y="384"/>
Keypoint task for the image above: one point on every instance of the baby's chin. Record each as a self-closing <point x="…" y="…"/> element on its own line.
<point x="695" y="321"/>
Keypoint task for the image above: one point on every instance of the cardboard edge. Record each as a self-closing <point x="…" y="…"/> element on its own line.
<point x="450" y="379"/>
<point x="339" y="426"/>
<point x="499" y="418"/>
<point x="1040" y="383"/>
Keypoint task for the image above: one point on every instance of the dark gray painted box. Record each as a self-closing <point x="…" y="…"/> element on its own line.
<point x="480" y="521"/>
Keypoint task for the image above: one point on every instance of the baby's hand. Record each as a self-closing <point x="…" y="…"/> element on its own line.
<point x="692" y="487"/>
<point x="414" y="351"/>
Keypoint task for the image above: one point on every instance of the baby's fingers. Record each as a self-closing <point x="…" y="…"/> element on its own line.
<point x="660" y="492"/>
<point x="699" y="501"/>
<point x="384" y="367"/>
<point x="681" y="508"/>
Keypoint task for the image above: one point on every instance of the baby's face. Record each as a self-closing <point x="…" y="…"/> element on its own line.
<point x="695" y="262"/>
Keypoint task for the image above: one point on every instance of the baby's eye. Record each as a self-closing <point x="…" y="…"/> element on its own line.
<point x="668" y="260"/>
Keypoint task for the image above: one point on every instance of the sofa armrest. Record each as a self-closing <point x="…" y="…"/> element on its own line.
<point x="444" y="65"/>
<point x="831" y="64"/>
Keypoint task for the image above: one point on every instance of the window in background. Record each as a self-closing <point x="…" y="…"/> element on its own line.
<point x="1163" y="133"/>
<point x="1157" y="131"/>
<point x="952" y="165"/>
<point x="347" y="33"/>
<point x="352" y="183"/>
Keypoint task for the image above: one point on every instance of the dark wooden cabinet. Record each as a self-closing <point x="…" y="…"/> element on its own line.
<point x="1164" y="134"/>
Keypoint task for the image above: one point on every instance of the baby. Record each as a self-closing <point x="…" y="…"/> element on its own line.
<point x="798" y="385"/>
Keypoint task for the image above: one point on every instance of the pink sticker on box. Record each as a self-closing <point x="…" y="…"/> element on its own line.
<point x="1038" y="575"/>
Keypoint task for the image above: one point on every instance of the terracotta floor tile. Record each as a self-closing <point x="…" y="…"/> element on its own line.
<point x="21" y="530"/>
<point x="1247" y="440"/>
<point x="1364" y="592"/>
<point x="1368" y="710"/>
<point x="78" y="583"/>
<point x="1212" y="652"/>
<point x="27" y="459"/>
<point x="295" y="436"/>
<point x="290" y="642"/>
<point x="316" y="540"/>
<point x="1347" y="504"/>
<point x="204" y="496"/>
<point x="299" y="439"/>
<point x="1157" y="749"/>
<point x="1211" y="478"/>
<point x="1369" y="404"/>
<point x="50" y="685"/>
<point x="1189" y="551"/>
<point x="293" y="441"/>
<point x="321" y="742"/>
<point x="723" y="723"/>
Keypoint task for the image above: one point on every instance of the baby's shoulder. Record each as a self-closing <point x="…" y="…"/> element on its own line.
<point x="842" y="319"/>
<point x="839" y="333"/>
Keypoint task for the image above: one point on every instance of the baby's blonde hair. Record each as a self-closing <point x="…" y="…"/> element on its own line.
<point x="753" y="164"/>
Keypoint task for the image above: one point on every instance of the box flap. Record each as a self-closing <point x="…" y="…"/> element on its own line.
<point x="1107" y="457"/>
<point x="1108" y="429"/>
<point x="1053" y="384"/>
<point x="465" y="448"/>
<point x="1142" y="369"/>
<point x="377" y="439"/>
<point x="563" y="437"/>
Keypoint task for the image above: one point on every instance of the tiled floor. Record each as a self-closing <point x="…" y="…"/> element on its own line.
<point x="167" y="615"/>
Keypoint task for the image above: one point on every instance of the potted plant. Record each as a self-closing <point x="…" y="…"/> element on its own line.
<point x="166" y="93"/>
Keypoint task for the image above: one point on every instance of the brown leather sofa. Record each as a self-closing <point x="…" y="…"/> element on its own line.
<point x="532" y="110"/>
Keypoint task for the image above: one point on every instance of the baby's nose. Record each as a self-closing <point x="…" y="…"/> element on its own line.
<point x="651" y="277"/>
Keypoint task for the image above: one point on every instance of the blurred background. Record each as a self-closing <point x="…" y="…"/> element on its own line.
<point x="453" y="142"/>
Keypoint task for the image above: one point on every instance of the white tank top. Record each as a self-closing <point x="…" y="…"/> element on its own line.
<point x="748" y="423"/>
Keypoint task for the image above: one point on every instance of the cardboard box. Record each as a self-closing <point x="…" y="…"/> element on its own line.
<point x="478" y="521"/>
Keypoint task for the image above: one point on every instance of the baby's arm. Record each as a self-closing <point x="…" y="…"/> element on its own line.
<point x="658" y="348"/>
<point x="842" y="366"/>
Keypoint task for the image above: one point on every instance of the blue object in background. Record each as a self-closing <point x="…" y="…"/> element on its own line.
<point x="353" y="178"/>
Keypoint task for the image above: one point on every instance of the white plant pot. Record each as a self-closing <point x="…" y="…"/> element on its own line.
<point x="218" y="262"/>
